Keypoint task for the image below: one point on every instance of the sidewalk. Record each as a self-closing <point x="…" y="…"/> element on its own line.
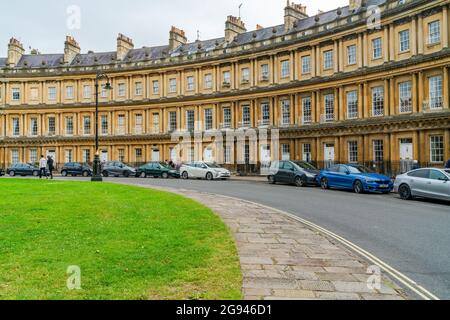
<point x="282" y="258"/>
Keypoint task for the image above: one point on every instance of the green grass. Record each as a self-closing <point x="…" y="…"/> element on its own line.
<point x="130" y="243"/>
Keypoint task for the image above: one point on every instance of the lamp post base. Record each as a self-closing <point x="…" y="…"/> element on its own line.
<point x="97" y="176"/>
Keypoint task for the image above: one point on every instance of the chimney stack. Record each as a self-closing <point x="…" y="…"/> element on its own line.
<point x="292" y="13"/>
<point x="15" y="52"/>
<point x="124" y="44"/>
<point x="71" y="49"/>
<point x="177" y="38"/>
<point x="233" y="27"/>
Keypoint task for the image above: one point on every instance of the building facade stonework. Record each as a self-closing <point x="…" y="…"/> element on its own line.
<point x="338" y="88"/>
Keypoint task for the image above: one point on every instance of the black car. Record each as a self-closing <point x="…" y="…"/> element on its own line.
<point x="76" y="169"/>
<point x="157" y="169"/>
<point x="2" y="172"/>
<point x="117" y="169"/>
<point x="22" y="169"/>
<point x="300" y="173"/>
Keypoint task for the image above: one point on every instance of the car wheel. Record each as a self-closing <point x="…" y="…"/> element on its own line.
<point x="64" y="173"/>
<point x="143" y="175"/>
<point x="12" y="173"/>
<point x="35" y="173"/>
<point x="126" y="174"/>
<point x="271" y="179"/>
<point x="185" y="175"/>
<point x="105" y="174"/>
<point x="301" y="182"/>
<point x="358" y="187"/>
<point x="165" y="175"/>
<point x="324" y="183"/>
<point x="405" y="192"/>
<point x="85" y="174"/>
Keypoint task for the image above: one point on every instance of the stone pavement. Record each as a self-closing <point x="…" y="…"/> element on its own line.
<point x="282" y="258"/>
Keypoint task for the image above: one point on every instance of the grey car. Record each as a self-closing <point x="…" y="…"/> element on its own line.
<point x="117" y="169"/>
<point x="425" y="183"/>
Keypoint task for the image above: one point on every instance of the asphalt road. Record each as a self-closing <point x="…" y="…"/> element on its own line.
<point x="411" y="236"/>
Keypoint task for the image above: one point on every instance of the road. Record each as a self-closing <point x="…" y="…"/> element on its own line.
<point x="411" y="236"/>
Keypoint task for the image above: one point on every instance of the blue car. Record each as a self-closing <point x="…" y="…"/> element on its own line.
<point x="354" y="177"/>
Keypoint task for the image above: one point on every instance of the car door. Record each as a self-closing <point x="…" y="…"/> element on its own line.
<point x="289" y="172"/>
<point x="333" y="176"/>
<point x="202" y="170"/>
<point x="345" y="178"/>
<point x="419" y="182"/>
<point x="280" y="176"/>
<point x="20" y="169"/>
<point x="438" y="185"/>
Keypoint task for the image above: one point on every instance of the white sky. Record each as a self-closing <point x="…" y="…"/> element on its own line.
<point x="43" y="24"/>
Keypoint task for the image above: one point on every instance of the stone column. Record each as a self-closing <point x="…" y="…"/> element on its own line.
<point x="386" y="44"/>
<point x="366" y="100"/>
<point x="421" y="92"/>
<point x="414" y="92"/>
<point x="336" y="57"/>
<point x="359" y="56"/>
<point x="360" y="100"/>
<point x="341" y="104"/>
<point x="445" y="26"/>
<point x="391" y="42"/>
<point x="445" y="84"/>
<point x="365" y="51"/>
<point x="420" y="34"/>
<point x="313" y="61"/>
<point x="392" y="101"/>
<point x="341" y="56"/>
<point x="413" y="36"/>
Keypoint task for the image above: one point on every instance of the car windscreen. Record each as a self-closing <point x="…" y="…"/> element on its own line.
<point x="359" y="169"/>
<point x="212" y="165"/>
<point x="304" y="165"/>
<point x="447" y="171"/>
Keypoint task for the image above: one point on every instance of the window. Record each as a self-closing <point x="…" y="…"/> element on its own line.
<point x="285" y="69"/>
<point x="434" y="32"/>
<point x="227" y="154"/>
<point x="138" y="88"/>
<point x="226" y="118"/>
<point x="264" y="72"/>
<point x="104" y="93"/>
<point x="69" y="125"/>
<point x="245" y="72"/>
<point x="306" y="64"/>
<point x="285" y="152"/>
<point x="405" y="96"/>
<point x="34" y="126"/>
<point x="121" y="124"/>
<point x="15" y="156"/>
<point x="377" y="101"/>
<point x="377" y="48"/>
<point x="437" y="149"/>
<point x="15" y="127"/>
<point x="69" y="92"/>
<point x="351" y="54"/>
<point x="121" y="90"/>
<point x="208" y="119"/>
<point x="86" y="125"/>
<point x="329" y="107"/>
<point x="155" y="87"/>
<point x="51" y="93"/>
<point x="226" y="78"/>
<point x="378" y="150"/>
<point x="265" y="112"/>
<point x="173" y="85"/>
<point x="285" y="112"/>
<point x="138" y="154"/>
<point x="328" y="60"/>
<point x="104" y="124"/>
<point x="121" y="153"/>
<point x="435" y="84"/>
<point x="352" y="105"/>
<point x="68" y="155"/>
<point x="353" y="151"/>
<point x="246" y="116"/>
<point x="155" y="122"/>
<point x="86" y="155"/>
<point x="172" y="121"/>
<point x="15" y="94"/>
<point x="87" y="92"/>
<point x="51" y="126"/>
<point x="33" y="156"/>
<point x="437" y="175"/>
<point x="138" y="121"/>
<point x="190" y="120"/>
<point x="208" y="81"/>
<point x="306" y="110"/>
<point x="307" y="154"/>
<point x="404" y="40"/>
<point x="190" y="84"/>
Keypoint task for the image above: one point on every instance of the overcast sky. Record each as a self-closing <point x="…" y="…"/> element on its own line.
<point x="44" y="24"/>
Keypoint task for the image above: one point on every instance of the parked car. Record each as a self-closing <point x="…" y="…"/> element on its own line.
<point x="76" y="169"/>
<point x="300" y="173"/>
<point x="22" y="169"/>
<point x="117" y="169"/>
<point x="426" y="183"/>
<point x="157" y="169"/>
<point x="2" y="172"/>
<point x="354" y="177"/>
<point x="204" y="170"/>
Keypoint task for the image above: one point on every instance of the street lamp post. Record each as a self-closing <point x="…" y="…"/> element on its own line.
<point x="97" y="175"/>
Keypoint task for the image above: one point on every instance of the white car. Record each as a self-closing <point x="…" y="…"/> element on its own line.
<point x="203" y="170"/>
<point x="425" y="183"/>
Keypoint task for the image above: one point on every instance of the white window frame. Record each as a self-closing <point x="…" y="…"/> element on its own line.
<point x="437" y="149"/>
<point x="404" y="41"/>
<point x="434" y="32"/>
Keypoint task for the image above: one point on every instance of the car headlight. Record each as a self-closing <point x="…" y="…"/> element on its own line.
<point x="370" y="180"/>
<point x="310" y="175"/>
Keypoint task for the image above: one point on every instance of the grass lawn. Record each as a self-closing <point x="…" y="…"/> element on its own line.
<point x="129" y="242"/>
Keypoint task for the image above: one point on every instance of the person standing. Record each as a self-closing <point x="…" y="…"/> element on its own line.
<point x="447" y="165"/>
<point x="42" y="167"/>
<point x="50" y="166"/>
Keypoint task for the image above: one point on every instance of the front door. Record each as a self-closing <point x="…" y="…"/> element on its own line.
<point x="406" y="155"/>
<point x="155" y="155"/>
<point x="52" y="154"/>
<point x="328" y="155"/>
<point x="208" y="155"/>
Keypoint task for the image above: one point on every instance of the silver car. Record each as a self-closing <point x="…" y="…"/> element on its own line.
<point x="425" y="183"/>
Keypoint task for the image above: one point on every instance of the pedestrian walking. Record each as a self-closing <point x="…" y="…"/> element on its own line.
<point x="447" y="165"/>
<point x="42" y="167"/>
<point x="50" y="166"/>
